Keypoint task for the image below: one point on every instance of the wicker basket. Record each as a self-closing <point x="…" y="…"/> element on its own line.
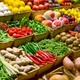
<point x="60" y="58"/>
<point x="19" y="16"/>
<point x="22" y="40"/>
<point x="38" y="37"/>
<point x="44" y="68"/>
<point x="6" y="18"/>
<point x="53" y="32"/>
<point x="4" y="45"/>
<point x="61" y="70"/>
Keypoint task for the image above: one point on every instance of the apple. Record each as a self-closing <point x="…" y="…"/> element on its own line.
<point x="41" y="7"/>
<point x="46" y="5"/>
<point x="41" y="1"/>
<point x="36" y="2"/>
<point x="35" y="7"/>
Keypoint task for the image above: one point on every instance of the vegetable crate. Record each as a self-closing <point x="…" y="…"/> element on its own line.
<point x="61" y="70"/>
<point x="60" y="58"/>
<point x="22" y="40"/>
<point x="19" y="16"/>
<point x="38" y="37"/>
<point x="29" y="75"/>
<point x="4" y="45"/>
<point x="53" y="32"/>
<point x="44" y="68"/>
<point x="6" y="18"/>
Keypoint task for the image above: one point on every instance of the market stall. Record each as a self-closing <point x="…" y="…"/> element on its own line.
<point x="39" y="39"/>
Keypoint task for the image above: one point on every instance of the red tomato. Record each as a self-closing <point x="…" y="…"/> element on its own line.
<point x="34" y="7"/>
<point x="10" y="32"/>
<point x="46" y="5"/>
<point x="15" y="35"/>
<point x="41" y="7"/>
<point x="36" y="2"/>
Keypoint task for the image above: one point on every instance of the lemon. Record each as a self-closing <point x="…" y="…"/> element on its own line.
<point x="16" y="4"/>
<point x="21" y="9"/>
<point x="17" y="0"/>
<point x="21" y="3"/>
<point x="60" y="1"/>
<point x="27" y="8"/>
<point x="15" y="10"/>
<point x="10" y="7"/>
<point x="5" y="1"/>
<point x="10" y="2"/>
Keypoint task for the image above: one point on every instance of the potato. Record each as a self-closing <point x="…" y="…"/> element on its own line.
<point x="63" y="39"/>
<point x="70" y="46"/>
<point x="68" y="64"/>
<point x="68" y="35"/>
<point x="73" y="38"/>
<point x="58" y="37"/>
<point x="63" y="33"/>
<point x="75" y="48"/>
<point x="69" y="41"/>
<point x="77" y="63"/>
<point x="75" y="43"/>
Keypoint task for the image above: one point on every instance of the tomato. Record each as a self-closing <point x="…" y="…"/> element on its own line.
<point x="15" y="35"/>
<point x="36" y="2"/>
<point x="34" y="7"/>
<point x="10" y="32"/>
<point x="41" y="7"/>
<point x="46" y="5"/>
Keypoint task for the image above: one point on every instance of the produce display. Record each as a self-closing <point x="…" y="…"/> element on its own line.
<point x="37" y="4"/>
<point x="52" y="26"/>
<point x="16" y="6"/>
<point x="4" y="37"/>
<point x="3" y="74"/>
<point x="74" y="12"/>
<point x="16" y="58"/>
<point x="36" y="26"/>
<point x="55" y="19"/>
<point x="72" y="42"/>
<point x="30" y="48"/>
<point x="19" y="32"/>
<point x="55" y="47"/>
<point x="42" y="58"/>
<point x="72" y="66"/>
<point x="4" y="10"/>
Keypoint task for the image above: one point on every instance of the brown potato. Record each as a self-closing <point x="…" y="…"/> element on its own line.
<point x="63" y="33"/>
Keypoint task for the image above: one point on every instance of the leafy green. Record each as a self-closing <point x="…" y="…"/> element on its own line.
<point x="3" y="74"/>
<point x="56" y="47"/>
<point x="4" y="37"/>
